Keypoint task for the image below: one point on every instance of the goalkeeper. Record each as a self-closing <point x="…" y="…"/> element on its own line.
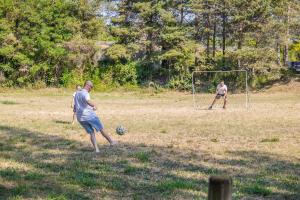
<point x="220" y="93"/>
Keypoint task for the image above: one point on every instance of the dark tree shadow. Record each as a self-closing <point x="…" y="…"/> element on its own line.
<point x="63" y="168"/>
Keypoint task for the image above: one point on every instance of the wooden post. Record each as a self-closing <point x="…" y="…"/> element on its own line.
<point x="220" y="188"/>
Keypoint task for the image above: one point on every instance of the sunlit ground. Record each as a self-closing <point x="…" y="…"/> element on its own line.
<point x="169" y="152"/>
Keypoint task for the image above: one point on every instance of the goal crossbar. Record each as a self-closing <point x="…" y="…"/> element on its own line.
<point x="228" y="71"/>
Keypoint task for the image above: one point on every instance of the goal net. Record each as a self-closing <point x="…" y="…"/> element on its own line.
<point x="204" y="85"/>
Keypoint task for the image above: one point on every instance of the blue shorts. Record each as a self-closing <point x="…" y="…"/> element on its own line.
<point x="220" y="95"/>
<point x="92" y="124"/>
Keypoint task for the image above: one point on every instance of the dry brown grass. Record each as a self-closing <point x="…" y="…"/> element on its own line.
<point x="169" y="152"/>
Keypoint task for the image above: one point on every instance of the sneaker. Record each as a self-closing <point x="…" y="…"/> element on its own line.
<point x="210" y="107"/>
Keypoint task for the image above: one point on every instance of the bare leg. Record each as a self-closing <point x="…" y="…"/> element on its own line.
<point x="94" y="142"/>
<point x="214" y="101"/>
<point x="107" y="137"/>
<point x="73" y="121"/>
<point x="225" y="101"/>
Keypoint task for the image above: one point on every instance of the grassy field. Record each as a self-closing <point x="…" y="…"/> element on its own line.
<point x="168" y="153"/>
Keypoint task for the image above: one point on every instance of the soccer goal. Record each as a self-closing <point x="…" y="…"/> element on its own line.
<point x="205" y="84"/>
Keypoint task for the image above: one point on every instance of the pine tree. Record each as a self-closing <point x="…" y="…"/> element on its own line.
<point x="33" y="34"/>
<point x="155" y="33"/>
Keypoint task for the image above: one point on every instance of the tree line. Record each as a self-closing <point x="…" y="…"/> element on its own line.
<point x="134" y="42"/>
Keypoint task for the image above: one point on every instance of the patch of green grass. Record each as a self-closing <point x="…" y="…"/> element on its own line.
<point x="103" y="167"/>
<point x="18" y="197"/>
<point x="163" y="131"/>
<point x="56" y="144"/>
<point x="7" y="102"/>
<point x="161" y="167"/>
<point x="131" y="170"/>
<point x="169" y="185"/>
<point x="10" y="174"/>
<point x="123" y="162"/>
<point x="49" y="167"/>
<point x="16" y="139"/>
<point x="257" y="190"/>
<point x="5" y="147"/>
<point x="77" y="195"/>
<point x="143" y="156"/>
<point x="82" y="178"/>
<point x="33" y="176"/>
<point x="20" y="189"/>
<point x="292" y="177"/>
<point x="56" y="197"/>
<point x="270" y="140"/>
<point x="117" y="183"/>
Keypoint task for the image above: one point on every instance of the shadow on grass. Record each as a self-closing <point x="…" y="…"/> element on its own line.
<point x="6" y="102"/>
<point x="61" y="122"/>
<point x="59" y="168"/>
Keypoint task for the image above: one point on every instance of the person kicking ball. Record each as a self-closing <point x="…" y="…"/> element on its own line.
<point x="221" y="92"/>
<point x="86" y="115"/>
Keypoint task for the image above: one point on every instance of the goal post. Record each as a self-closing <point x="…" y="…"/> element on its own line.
<point x="204" y="84"/>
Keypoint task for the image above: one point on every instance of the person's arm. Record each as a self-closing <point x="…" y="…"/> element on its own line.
<point x="217" y="89"/>
<point x="90" y="103"/>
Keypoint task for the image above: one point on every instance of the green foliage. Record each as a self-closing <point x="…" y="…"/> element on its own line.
<point x="125" y="73"/>
<point x="295" y="52"/>
<point x="69" y="79"/>
<point x="33" y="36"/>
<point x="119" y="74"/>
<point x="181" y="83"/>
<point x="117" y="53"/>
<point x="53" y="43"/>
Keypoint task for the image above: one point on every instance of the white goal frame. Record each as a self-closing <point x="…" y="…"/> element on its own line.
<point x="217" y="71"/>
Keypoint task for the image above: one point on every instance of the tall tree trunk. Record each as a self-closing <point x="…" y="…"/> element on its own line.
<point x="223" y="32"/>
<point x="197" y="56"/>
<point x="208" y="45"/>
<point x="284" y="55"/>
<point x="286" y="46"/>
<point x="214" y="38"/>
<point x="181" y="12"/>
<point x="207" y="27"/>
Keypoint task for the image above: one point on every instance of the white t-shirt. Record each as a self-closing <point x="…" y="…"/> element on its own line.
<point x="84" y="111"/>
<point x="221" y="89"/>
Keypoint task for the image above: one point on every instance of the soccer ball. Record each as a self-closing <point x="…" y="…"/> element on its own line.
<point x="120" y="130"/>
